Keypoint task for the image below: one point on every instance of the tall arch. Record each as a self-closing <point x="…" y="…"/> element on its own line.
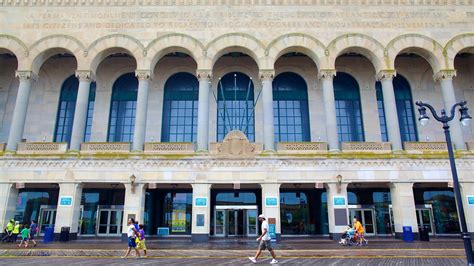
<point x="458" y="44"/>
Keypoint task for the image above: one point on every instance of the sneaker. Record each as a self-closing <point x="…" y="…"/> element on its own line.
<point x="252" y="259"/>
<point x="274" y="261"/>
<point x="366" y="242"/>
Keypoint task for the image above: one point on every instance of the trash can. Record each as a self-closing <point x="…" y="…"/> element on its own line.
<point x="407" y="234"/>
<point x="424" y="233"/>
<point x="64" y="235"/>
<point x="48" y="235"/>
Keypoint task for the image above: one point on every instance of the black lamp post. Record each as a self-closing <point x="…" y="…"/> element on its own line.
<point x="465" y="120"/>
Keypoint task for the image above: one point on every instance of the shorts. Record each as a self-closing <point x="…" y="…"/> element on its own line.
<point x="265" y="244"/>
<point x="141" y="245"/>
<point x="131" y="242"/>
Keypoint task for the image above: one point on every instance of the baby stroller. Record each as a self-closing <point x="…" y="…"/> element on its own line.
<point x="348" y="238"/>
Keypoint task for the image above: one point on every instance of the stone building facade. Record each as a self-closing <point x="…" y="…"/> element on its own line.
<point x="194" y="116"/>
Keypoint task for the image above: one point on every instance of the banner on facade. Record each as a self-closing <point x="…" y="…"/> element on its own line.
<point x="178" y="221"/>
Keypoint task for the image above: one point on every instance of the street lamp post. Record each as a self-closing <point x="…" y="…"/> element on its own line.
<point x="465" y="120"/>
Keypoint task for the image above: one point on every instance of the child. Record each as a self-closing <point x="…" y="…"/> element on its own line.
<point x="141" y="245"/>
<point x="25" y="236"/>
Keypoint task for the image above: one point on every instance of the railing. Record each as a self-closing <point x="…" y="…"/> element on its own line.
<point x="41" y="147"/>
<point x="169" y="148"/>
<point x="420" y="147"/>
<point x="105" y="147"/>
<point x="374" y="147"/>
<point x="302" y="147"/>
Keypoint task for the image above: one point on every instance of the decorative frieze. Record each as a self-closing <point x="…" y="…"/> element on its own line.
<point x="327" y="73"/>
<point x="385" y="75"/>
<point x="373" y="147"/>
<point x="45" y="148"/>
<point x="104" y="147"/>
<point x="267" y="74"/>
<point x="302" y="147"/>
<point x="169" y="148"/>
<point x="444" y="74"/>
<point x="420" y="147"/>
<point x="235" y="144"/>
<point x="84" y="75"/>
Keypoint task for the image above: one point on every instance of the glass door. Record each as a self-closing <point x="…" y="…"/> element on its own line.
<point x="110" y="222"/>
<point x="232" y="222"/>
<point x="219" y="223"/>
<point x="424" y="216"/>
<point x="252" y="223"/>
<point x="47" y="218"/>
<point x="366" y="217"/>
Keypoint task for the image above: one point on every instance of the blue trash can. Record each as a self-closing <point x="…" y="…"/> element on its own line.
<point x="407" y="234"/>
<point x="48" y="235"/>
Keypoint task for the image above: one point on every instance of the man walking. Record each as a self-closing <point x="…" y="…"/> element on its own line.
<point x="8" y="236"/>
<point x="264" y="241"/>
<point x="132" y="234"/>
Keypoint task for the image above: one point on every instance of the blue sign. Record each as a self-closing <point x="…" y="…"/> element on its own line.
<point x="339" y="201"/>
<point x="271" y="202"/>
<point x="200" y="202"/>
<point x="163" y="231"/>
<point x="272" y="231"/>
<point x="470" y="200"/>
<point x="65" y="201"/>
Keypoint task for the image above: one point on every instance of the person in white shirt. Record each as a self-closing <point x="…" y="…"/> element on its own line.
<point x="132" y="233"/>
<point x="264" y="241"/>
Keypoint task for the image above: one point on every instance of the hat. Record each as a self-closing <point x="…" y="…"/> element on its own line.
<point x="261" y="216"/>
<point x="17" y="222"/>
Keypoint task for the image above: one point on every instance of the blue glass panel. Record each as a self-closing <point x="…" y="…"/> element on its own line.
<point x="123" y="107"/>
<point x="66" y="108"/>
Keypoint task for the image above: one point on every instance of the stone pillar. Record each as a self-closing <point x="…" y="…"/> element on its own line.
<point x="271" y="192"/>
<point x="445" y="78"/>
<point x="267" y="100"/>
<point x="134" y="205"/>
<point x="142" y="105"/>
<point x="337" y="209"/>
<point x="8" y="199"/>
<point x="467" y="189"/>
<point x="326" y="76"/>
<point x="204" y="77"/>
<point x="68" y="211"/>
<point x="390" y="105"/>
<point x="82" y="106"/>
<point x="403" y="208"/>
<point x="201" y="193"/>
<point x="21" y="106"/>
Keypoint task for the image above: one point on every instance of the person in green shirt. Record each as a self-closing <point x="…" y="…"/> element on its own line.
<point x="25" y="236"/>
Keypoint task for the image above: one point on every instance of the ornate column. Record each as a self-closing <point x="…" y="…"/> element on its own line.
<point x="21" y="106"/>
<point x="337" y="208"/>
<point x="82" y="106"/>
<point x="445" y="78"/>
<point x="134" y="205"/>
<point x="204" y="77"/>
<point x="68" y="214"/>
<point x="390" y="105"/>
<point x="201" y="221"/>
<point x="326" y="76"/>
<point x="267" y="99"/>
<point x="271" y="205"/>
<point x="144" y="77"/>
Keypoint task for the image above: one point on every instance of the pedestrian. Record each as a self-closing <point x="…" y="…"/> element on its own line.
<point x="141" y="243"/>
<point x="132" y="234"/>
<point x="16" y="231"/>
<point x="25" y="235"/>
<point x="8" y="235"/>
<point x="264" y="241"/>
<point x="359" y="229"/>
<point x="33" y="231"/>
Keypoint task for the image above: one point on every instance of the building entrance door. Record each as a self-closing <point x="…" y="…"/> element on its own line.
<point x="109" y="221"/>
<point x="47" y="218"/>
<point x="366" y="216"/>
<point x="233" y="221"/>
<point x="424" y="217"/>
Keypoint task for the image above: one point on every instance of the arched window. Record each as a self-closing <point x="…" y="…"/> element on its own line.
<point x="348" y="110"/>
<point x="381" y="109"/>
<point x="66" y="110"/>
<point x="180" y="108"/>
<point x="67" y="106"/>
<point x="290" y="108"/>
<point x="404" y="102"/>
<point x="123" y="109"/>
<point x="235" y="107"/>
